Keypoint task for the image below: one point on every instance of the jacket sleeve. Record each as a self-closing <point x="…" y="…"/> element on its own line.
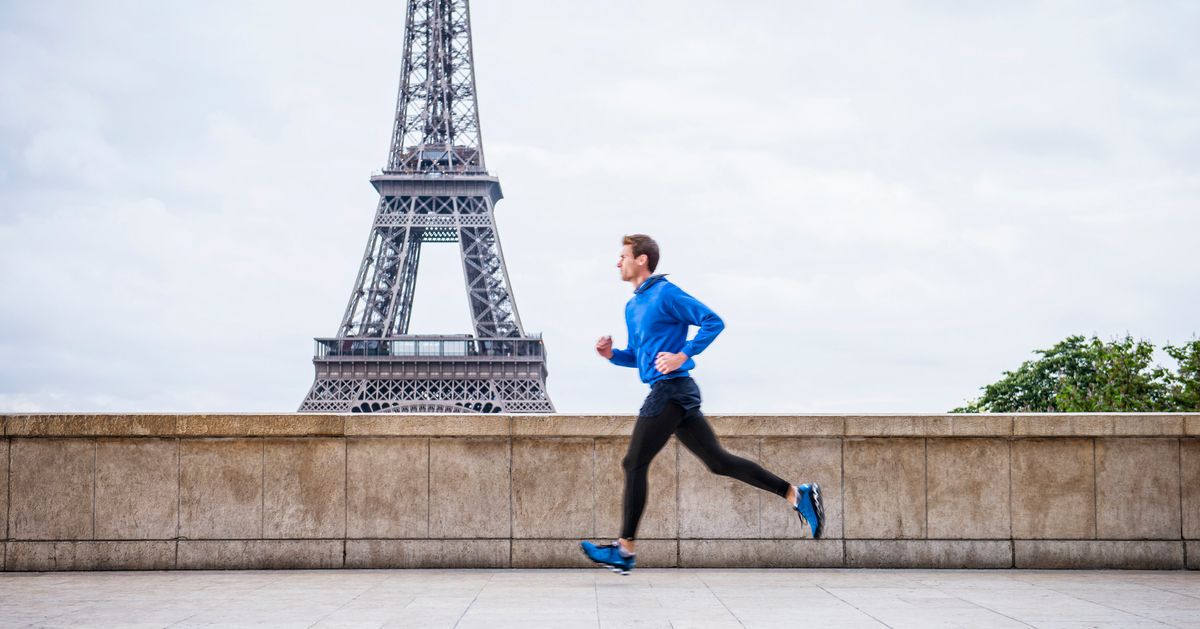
<point x="689" y="310"/>
<point x="623" y="358"/>
<point x="626" y="357"/>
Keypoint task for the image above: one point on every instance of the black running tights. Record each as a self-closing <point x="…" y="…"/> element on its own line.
<point x="650" y="434"/>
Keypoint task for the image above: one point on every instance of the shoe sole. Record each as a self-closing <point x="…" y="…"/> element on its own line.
<point x="819" y="507"/>
<point x="620" y="571"/>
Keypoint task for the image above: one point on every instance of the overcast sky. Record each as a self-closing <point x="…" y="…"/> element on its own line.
<point x="889" y="204"/>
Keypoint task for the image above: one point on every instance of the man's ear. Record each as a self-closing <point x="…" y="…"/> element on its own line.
<point x="642" y="260"/>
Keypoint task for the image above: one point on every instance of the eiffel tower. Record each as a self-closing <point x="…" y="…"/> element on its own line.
<point x="435" y="189"/>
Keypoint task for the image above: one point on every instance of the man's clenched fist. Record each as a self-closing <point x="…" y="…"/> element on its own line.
<point x="604" y="347"/>
<point x="666" y="362"/>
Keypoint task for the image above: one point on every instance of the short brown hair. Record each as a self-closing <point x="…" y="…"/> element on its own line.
<point x="643" y="245"/>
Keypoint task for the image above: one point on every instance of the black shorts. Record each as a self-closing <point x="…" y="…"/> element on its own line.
<point x="682" y="391"/>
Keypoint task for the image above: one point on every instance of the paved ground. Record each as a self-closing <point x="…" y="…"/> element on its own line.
<point x="595" y="598"/>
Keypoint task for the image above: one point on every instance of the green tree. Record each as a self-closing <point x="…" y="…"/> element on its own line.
<point x="1090" y="375"/>
<point x="1185" y="383"/>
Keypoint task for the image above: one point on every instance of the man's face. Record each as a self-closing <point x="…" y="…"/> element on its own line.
<point x="629" y="265"/>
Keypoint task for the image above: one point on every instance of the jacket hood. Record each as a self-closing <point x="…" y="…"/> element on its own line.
<point x="650" y="281"/>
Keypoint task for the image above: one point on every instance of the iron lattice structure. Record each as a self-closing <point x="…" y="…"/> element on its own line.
<point x="434" y="189"/>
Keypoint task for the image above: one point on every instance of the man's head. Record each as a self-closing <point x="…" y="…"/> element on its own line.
<point x="639" y="256"/>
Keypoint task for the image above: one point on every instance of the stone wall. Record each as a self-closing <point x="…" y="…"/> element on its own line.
<point x="88" y="492"/>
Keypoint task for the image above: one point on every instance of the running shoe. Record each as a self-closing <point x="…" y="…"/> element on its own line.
<point x="609" y="556"/>
<point x="811" y="508"/>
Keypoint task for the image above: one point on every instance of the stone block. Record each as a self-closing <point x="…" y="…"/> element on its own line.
<point x="960" y="425"/>
<point x="469" y="490"/>
<point x="4" y="449"/>
<point x="1193" y="555"/>
<point x="778" y="425"/>
<point x="427" y="553"/>
<point x="897" y="426"/>
<point x="293" y="425"/>
<point x="137" y="489"/>
<point x="553" y="485"/>
<point x="92" y="426"/>
<point x="1064" y="425"/>
<point x="90" y="555"/>
<point x="52" y="484"/>
<point x="760" y="553"/>
<point x="1148" y="425"/>
<point x="387" y="487"/>
<point x="981" y="425"/>
<point x="304" y="488"/>
<point x="803" y="460"/>
<point x="404" y="425"/>
<point x="1055" y="489"/>
<point x="554" y="553"/>
<point x="968" y="489"/>
<point x="656" y="553"/>
<point x="279" y="554"/>
<point x="1191" y="424"/>
<point x="921" y="553"/>
<point x="1098" y="555"/>
<point x="718" y="507"/>
<point x="220" y="488"/>
<point x="1137" y="488"/>
<point x="884" y="488"/>
<point x="572" y="425"/>
<point x="661" y="517"/>
<point x="1189" y="464"/>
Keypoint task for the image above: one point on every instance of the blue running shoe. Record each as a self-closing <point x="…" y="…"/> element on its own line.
<point x="609" y="557"/>
<point x="811" y="508"/>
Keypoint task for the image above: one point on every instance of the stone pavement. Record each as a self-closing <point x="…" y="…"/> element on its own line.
<point x="597" y="598"/>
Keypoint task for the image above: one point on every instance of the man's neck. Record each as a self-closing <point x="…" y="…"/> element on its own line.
<point x="639" y="280"/>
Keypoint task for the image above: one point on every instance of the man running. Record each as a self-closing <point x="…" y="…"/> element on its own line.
<point x="657" y="317"/>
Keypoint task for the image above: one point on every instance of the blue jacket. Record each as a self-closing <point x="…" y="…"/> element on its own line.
<point x="658" y="316"/>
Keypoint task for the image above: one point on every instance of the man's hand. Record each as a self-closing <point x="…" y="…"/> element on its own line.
<point x="667" y="362"/>
<point x="604" y="347"/>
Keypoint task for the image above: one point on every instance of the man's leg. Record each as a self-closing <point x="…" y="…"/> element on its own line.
<point x="697" y="435"/>
<point x="650" y="434"/>
<point x="655" y="424"/>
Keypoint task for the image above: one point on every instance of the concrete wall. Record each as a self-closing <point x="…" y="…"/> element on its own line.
<point x="330" y="491"/>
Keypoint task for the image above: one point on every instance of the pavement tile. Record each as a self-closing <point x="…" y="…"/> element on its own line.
<point x="1092" y="624"/>
<point x="595" y="598"/>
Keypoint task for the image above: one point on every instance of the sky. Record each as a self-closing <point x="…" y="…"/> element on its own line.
<point x="888" y="203"/>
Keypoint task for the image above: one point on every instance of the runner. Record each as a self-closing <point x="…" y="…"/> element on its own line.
<point x="657" y="317"/>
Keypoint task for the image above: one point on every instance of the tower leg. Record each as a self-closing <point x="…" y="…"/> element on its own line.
<point x="382" y="302"/>
<point x="493" y="311"/>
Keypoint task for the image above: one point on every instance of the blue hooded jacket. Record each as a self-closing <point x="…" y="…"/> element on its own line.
<point x="658" y="316"/>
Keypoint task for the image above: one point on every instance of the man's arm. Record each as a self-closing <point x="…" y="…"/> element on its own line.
<point x="623" y="358"/>
<point x="689" y="310"/>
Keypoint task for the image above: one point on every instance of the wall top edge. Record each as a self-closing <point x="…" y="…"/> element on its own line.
<point x="595" y="425"/>
<point x="578" y="414"/>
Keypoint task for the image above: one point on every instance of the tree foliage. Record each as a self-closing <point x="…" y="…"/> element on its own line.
<point x="1090" y="375"/>
<point x="1185" y="383"/>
